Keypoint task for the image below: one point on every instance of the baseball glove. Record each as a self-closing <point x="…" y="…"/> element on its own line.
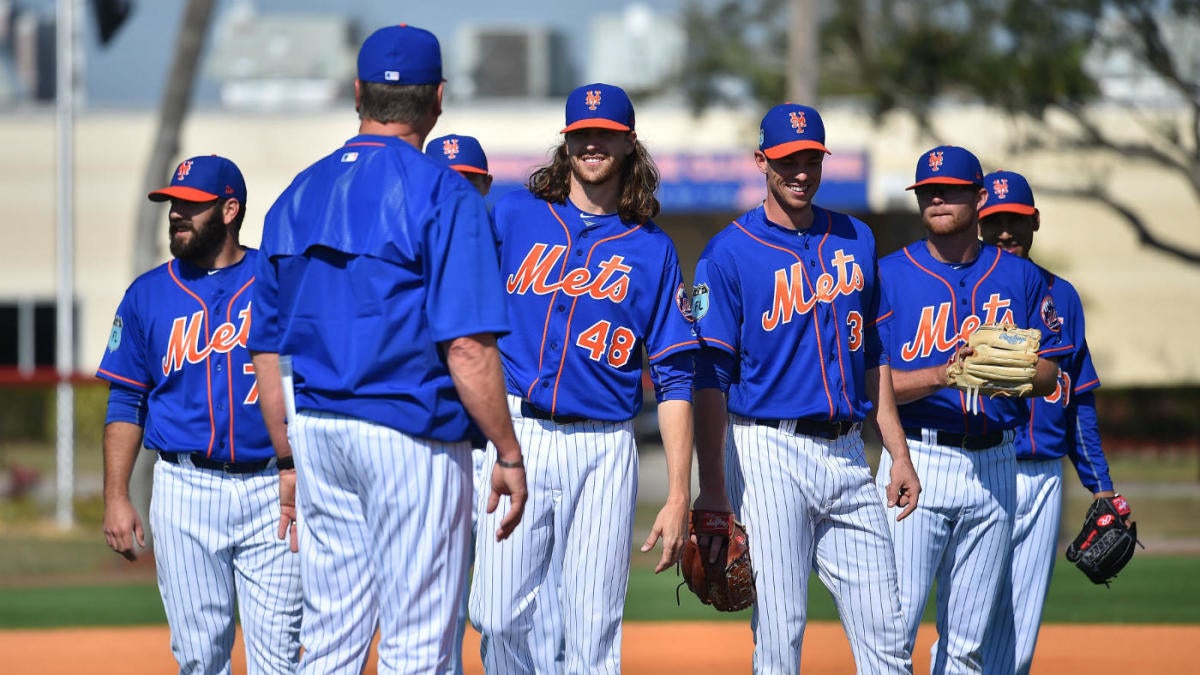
<point x="1105" y="544"/>
<point x="728" y="584"/>
<point x="1004" y="362"/>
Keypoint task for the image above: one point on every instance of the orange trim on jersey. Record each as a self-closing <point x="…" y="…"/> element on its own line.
<point x="673" y="347"/>
<point x="720" y="342"/>
<point x="370" y="143"/>
<point x="988" y="273"/>
<point x="837" y="329"/>
<point x="229" y="366"/>
<point x="885" y="316"/>
<point x="550" y="307"/>
<point x="212" y="418"/>
<point x="1091" y="383"/>
<point x="1029" y="426"/>
<point x="1054" y="350"/>
<point x="562" y="362"/>
<point x="962" y="398"/>
<point x="123" y="379"/>
<point x="815" y="323"/>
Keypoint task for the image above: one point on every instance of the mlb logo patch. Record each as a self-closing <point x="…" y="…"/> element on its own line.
<point x="391" y="75"/>
<point x="349" y="156"/>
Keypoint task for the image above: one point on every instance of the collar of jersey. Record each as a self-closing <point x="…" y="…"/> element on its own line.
<point x="770" y="225"/>
<point x="599" y="220"/>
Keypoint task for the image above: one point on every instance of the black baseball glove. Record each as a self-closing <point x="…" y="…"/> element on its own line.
<point x="1106" y="542"/>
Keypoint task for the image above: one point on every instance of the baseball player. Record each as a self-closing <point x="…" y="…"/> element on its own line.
<point x="791" y="369"/>
<point x="936" y="292"/>
<point x="591" y="280"/>
<point x="1061" y="424"/>
<point x="181" y="382"/>
<point x="465" y="155"/>
<point x="378" y="279"/>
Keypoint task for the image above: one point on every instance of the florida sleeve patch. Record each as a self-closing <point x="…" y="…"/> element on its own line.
<point x="114" y="337"/>
<point x="699" y="301"/>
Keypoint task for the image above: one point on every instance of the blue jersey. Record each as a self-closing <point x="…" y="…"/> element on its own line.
<point x="179" y="338"/>
<point x="934" y="306"/>
<point x="797" y="310"/>
<point x="371" y="258"/>
<point x="1054" y="429"/>
<point x="589" y="292"/>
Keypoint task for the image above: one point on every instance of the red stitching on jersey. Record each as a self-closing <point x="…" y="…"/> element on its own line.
<point x="815" y="323"/>
<point x="212" y="418"/>
<point x="571" y="315"/>
<point x="371" y="143"/>
<point x="123" y="379"/>
<point x="550" y="307"/>
<point x="229" y="365"/>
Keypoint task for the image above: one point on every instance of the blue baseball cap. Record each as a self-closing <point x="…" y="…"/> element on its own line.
<point x="948" y="165"/>
<point x="461" y="153"/>
<point x="1007" y="192"/>
<point x="791" y="127"/>
<point x="203" y="179"/>
<point x="599" y="106"/>
<point x="400" y="55"/>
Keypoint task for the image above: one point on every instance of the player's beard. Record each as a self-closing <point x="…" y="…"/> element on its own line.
<point x="599" y="174"/>
<point x="205" y="241"/>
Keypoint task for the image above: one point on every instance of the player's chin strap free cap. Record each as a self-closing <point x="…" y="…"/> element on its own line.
<point x="400" y="55"/>
<point x="599" y="106"/>
<point x="204" y="179"/>
<point x="461" y="153"/>
<point x="1007" y="192"/>
<point x="790" y="127"/>
<point x="948" y="165"/>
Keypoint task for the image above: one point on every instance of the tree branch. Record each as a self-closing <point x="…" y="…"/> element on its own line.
<point x="1145" y="237"/>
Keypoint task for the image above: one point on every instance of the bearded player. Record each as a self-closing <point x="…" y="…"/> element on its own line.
<point x="939" y="290"/>
<point x="1061" y="424"/>
<point x="591" y="281"/>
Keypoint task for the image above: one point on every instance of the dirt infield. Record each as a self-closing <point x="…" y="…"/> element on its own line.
<point x="648" y="648"/>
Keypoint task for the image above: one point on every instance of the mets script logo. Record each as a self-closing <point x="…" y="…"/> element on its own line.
<point x="185" y="167"/>
<point x="935" y="160"/>
<point x="611" y="282"/>
<point x="592" y="101"/>
<point x="935" y="334"/>
<point x="790" y="285"/>
<point x="184" y="344"/>
<point x="798" y="121"/>
<point x="1000" y="187"/>
<point x="450" y="148"/>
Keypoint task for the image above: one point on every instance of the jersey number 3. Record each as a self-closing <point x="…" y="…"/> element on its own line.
<point x="596" y="341"/>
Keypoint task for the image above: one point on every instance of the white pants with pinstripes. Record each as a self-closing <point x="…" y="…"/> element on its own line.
<point x="1014" y="632"/>
<point x="575" y="539"/>
<point x="809" y="503"/>
<point x="384" y="528"/>
<point x="959" y="535"/>
<point x="214" y="544"/>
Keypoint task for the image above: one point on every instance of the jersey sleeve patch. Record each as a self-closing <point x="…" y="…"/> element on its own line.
<point x="114" y="337"/>
<point x="699" y="302"/>
<point x="1050" y="315"/>
<point x="683" y="300"/>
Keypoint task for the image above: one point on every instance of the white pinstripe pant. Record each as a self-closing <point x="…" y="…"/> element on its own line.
<point x="384" y="527"/>
<point x="960" y="535"/>
<point x="214" y="543"/>
<point x="578" y="528"/>
<point x="809" y="503"/>
<point x="1013" y="633"/>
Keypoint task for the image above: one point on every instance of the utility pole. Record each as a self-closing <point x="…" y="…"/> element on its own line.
<point x="803" y="61"/>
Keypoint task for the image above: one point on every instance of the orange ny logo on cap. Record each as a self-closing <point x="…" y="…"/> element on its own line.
<point x="1000" y="187"/>
<point x="593" y="99"/>
<point x="798" y="121"/>
<point x="935" y="160"/>
<point x="184" y="169"/>
<point x="450" y="148"/>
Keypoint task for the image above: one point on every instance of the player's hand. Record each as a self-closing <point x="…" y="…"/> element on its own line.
<point x="904" y="488"/>
<point x="123" y="527"/>
<point x="713" y="548"/>
<point x="671" y="526"/>
<point x="959" y="356"/>
<point x="287" y="508"/>
<point x="511" y="482"/>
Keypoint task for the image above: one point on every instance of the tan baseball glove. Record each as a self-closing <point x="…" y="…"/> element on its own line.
<point x="1004" y="362"/>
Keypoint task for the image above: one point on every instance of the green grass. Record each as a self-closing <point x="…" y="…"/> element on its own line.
<point x="1153" y="589"/>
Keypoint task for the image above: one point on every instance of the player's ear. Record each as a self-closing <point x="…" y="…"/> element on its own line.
<point x="1037" y="220"/>
<point x="230" y="210"/>
<point x="761" y="160"/>
<point x="357" y="94"/>
<point x="980" y="199"/>
<point x="437" y="104"/>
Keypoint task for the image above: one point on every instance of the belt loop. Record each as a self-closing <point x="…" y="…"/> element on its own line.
<point x="788" y="426"/>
